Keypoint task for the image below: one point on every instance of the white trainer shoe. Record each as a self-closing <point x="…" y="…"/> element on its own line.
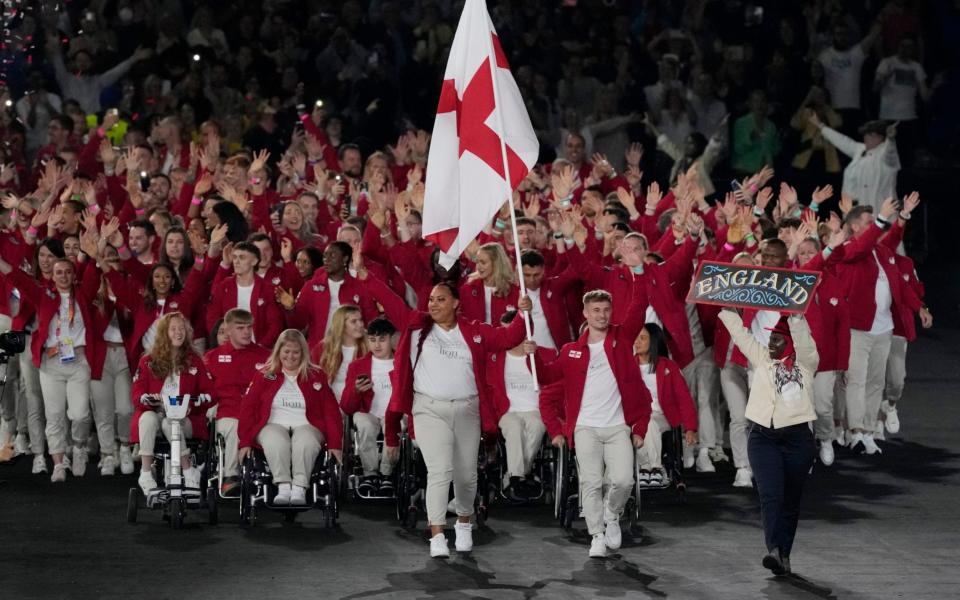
<point x="689" y="458"/>
<point x="283" y="494"/>
<point x="191" y="478"/>
<point x="298" y="496"/>
<point x="854" y="439"/>
<point x="39" y="464"/>
<point x="612" y="537"/>
<point x="79" y="463"/>
<point x="878" y="432"/>
<point x="892" y="421"/>
<point x="146" y="482"/>
<point x="438" y="546"/>
<point x="464" y="541"/>
<point x="126" y="460"/>
<point x="704" y="464"/>
<point x="870" y="447"/>
<point x="840" y="436"/>
<point x="598" y="547"/>
<point x="22" y="444"/>
<point x="108" y="466"/>
<point x="744" y="478"/>
<point x="59" y="474"/>
<point x="826" y="453"/>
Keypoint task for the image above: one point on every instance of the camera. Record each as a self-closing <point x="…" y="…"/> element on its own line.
<point x="11" y="343"/>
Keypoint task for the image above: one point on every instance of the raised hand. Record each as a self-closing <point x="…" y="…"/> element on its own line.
<point x="910" y="202"/>
<point x="414" y="175"/>
<point x="838" y="238"/>
<point x="822" y="194"/>
<point x="562" y="182"/>
<point x="654" y="195"/>
<point x="634" y="154"/>
<point x="286" y="250"/>
<point x="627" y="200"/>
<point x="763" y="198"/>
<point x="259" y="161"/>
<point x="285" y="298"/>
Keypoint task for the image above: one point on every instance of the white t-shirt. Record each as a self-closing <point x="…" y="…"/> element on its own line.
<point x="340" y="379"/>
<point x="841" y="70"/>
<point x="334" y="288"/>
<point x="521" y="392"/>
<point x="445" y="369"/>
<point x="382" y="387"/>
<point x="601" y="405"/>
<point x="76" y="332"/>
<point x="652" y="316"/>
<point x="650" y="380"/>
<point x="151" y="333"/>
<point x="541" y="331"/>
<point x="898" y="96"/>
<point x="171" y="387"/>
<point x="883" y="318"/>
<point x="244" y="295"/>
<point x="289" y="408"/>
<point x="487" y="301"/>
<point x="112" y="332"/>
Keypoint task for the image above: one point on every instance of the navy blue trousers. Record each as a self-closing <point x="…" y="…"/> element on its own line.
<point x="780" y="460"/>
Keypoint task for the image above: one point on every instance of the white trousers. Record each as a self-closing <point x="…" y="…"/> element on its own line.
<point x="291" y="451"/>
<point x="734" y="381"/>
<point x="703" y="377"/>
<point x="151" y="422"/>
<point x="448" y="432"/>
<point x="650" y="455"/>
<point x="30" y="418"/>
<point x="824" y="385"/>
<point x="227" y="427"/>
<point x="66" y="396"/>
<point x="866" y="375"/>
<point x="368" y="428"/>
<point x="523" y="437"/>
<point x="112" y="408"/>
<point x="604" y="456"/>
<point x="896" y="369"/>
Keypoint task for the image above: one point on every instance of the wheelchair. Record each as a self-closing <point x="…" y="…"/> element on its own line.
<point x="174" y="498"/>
<point x="411" y="485"/>
<point x="353" y="467"/>
<point x="492" y="476"/>
<point x="257" y="489"/>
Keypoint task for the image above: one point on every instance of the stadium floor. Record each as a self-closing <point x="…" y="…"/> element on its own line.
<point x="884" y="527"/>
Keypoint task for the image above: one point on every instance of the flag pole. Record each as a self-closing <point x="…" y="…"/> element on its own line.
<point x="492" y="57"/>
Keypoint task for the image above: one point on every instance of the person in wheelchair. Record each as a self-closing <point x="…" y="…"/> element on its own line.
<point x="233" y="366"/>
<point x="369" y="384"/>
<point x="518" y="407"/>
<point x="289" y="411"/>
<point x="171" y="368"/>
<point x="603" y="408"/>
<point x="672" y="404"/>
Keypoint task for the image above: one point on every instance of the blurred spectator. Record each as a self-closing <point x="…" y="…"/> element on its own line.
<point x="842" y="65"/>
<point x="755" y="139"/>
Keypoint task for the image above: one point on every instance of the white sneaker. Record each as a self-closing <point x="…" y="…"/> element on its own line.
<point x="612" y="537"/>
<point x="826" y="453"/>
<point x="39" y="464"/>
<point x="126" y="460"/>
<point x="66" y="461"/>
<point x="298" y="496"/>
<point x="191" y="478"/>
<point x="108" y="466"/>
<point x="59" y="474"/>
<point x="870" y="447"/>
<point x="598" y="547"/>
<point x="464" y="541"/>
<point x="840" y="436"/>
<point x="283" y="494"/>
<point x="146" y="482"/>
<point x="718" y="455"/>
<point x="22" y="444"/>
<point x="743" y="478"/>
<point x="892" y="421"/>
<point x="854" y="439"/>
<point x="438" y="546"/>
<point x="79" y="463"/>
<point x="689" y="459"/>
<point x="704" y="464"/>
<point x="878" y="432"/>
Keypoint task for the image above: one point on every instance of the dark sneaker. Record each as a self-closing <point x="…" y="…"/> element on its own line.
<point x="230" y="487"/>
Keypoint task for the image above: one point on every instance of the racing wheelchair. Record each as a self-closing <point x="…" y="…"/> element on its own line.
<point x="173" y="497"/>
<point x="257" y="489"/>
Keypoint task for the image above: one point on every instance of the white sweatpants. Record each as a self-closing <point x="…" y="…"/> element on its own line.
<point x="703" y="378"/>
<point x="734" y="381"/>
<point x="368" y="428"/>
<point x="227" y="427"/>
<point x="650" y="455"/>
<point x="604" y="456"/>
<point x="30" y="417"/>
<point x="151" y="422"/>
<point x="866" y="376"/>
<point x="896" y="369"/>
<point x="112" y="408"/>
<point x="523" y="437"/>
<point x="824" y="385"/>
<point x="448" y="432"/>
<point x="291" y="451"/>
<point x="66" y="396"/>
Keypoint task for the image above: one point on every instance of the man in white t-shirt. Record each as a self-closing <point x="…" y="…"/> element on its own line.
<point x="899" y="79"/>
<point x="842" y="64"/>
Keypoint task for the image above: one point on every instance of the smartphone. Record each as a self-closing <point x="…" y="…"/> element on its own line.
<point x="144" y="181"/>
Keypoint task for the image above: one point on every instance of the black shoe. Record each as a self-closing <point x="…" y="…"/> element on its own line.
<point x="367" y="486"/>
<point x="773" y="562"/>
<point x="386" y="487"/>
<point x="513" y="490"/>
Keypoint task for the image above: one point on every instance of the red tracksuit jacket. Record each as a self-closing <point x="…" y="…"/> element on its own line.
<point x="267" y="314"/>
<point x="195" y="380"/>
<point x="674" y="395"/>
<point x="313" y="304"/>
<point x="232" y="370"/>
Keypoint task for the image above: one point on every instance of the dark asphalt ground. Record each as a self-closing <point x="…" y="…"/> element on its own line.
<point x="886" y="527"/>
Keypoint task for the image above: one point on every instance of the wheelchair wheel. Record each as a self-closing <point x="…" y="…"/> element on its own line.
<point x="133" y="501"/>
<point x="176" y="513"/>
<point x="406" y="478"/>
<point x="560" y="483"/>
<point x="213" y="515"/>
<point x="247" y="513"/>
<point x="635" y="505"/>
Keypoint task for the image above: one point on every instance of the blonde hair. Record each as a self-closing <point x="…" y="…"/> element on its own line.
<point x="273" y="364"/>
<point x="502" y="276"/>
<point x="165" y="358"/>
<point x="332" y="356"/>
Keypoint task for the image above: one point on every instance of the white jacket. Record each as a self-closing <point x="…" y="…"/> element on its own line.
<point x="766" y="405"/>
<point x="871" y="176"/>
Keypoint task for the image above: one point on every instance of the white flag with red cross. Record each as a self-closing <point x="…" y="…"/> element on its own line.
<point x="480" y="118"/>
